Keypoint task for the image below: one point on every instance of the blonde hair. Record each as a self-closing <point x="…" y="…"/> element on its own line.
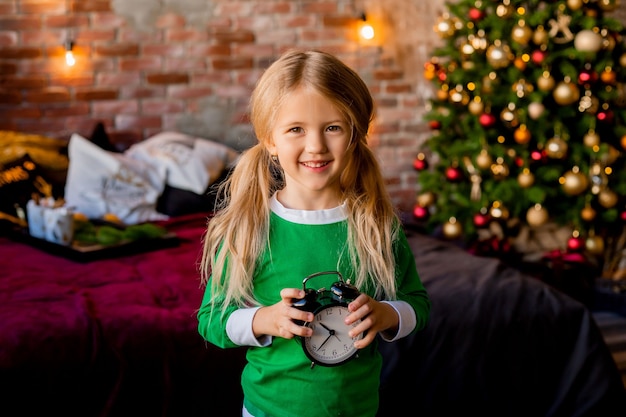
<point x="237" y="235"/>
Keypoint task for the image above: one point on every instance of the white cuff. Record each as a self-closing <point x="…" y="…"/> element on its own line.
<point x="239" y="328"/>
<point x="406" y="319"/>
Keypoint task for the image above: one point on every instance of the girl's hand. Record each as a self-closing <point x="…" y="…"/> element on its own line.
<point x="278" y="319"/>
<point x="375" y="317"/>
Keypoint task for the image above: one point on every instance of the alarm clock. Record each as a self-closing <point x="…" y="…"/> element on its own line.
<point x="330" y="344"/>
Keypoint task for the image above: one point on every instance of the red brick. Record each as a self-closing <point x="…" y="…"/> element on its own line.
<point x="20" y="53"/>
<point x="42" y="6"/>
<point x="118" y="49"/>
<point x="189" y="92"/>
<point x="25" y="82"/>
<point x="186" y="35"/>
<point x="97" y="94"/>
<point x="114" y="107"/>
<point x="232" y="63"/>
<point x="48" y="95"/>
<point x="167" y="78"/>
<point x="10" y="97"/>
<point x="78" y="109"/>
<point x="22" y="112"/>
<point x="239" y="36"/>
<point x="66" y="21"/>
<point x="319" y="7"/>
<point x="162" y="107"/>
<point x="20" y="23"/>
<point x="7" y="68"/>
<point x="388" y="74"/>
<point x="78" y="6"/>
<point x="136" y="64"/>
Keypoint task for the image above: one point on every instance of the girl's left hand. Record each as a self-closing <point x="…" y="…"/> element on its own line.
<point x="375" y="317"/>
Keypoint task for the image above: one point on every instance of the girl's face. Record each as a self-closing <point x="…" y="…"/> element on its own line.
<point x="311" y="139"/>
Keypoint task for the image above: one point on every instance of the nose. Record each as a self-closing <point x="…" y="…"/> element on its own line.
<point x="315" y="142"/>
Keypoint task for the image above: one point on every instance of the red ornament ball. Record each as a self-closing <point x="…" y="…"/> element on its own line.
<point x="575" y="243"/>
<point x="434" y="124"/>
<point x="420" y="163"/>
<point x="538" y="56"/>
<point x="481" y="219"/>
<point x="475" y="14"/>
<point x="420" y="213"/>
<point x="622" y="215"/>
<point x="454" y="174"/>
<point x="537" y="155"/>
<point x="486" y="119"/>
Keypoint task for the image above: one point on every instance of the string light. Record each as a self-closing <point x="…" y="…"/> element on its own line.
<point x="70" y="60"/>
<point x="366" y="30"/>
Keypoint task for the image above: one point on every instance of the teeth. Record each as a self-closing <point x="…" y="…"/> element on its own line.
<point x="315" y="165"/>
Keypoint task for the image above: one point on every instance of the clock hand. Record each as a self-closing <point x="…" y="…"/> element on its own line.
<point x="324" y="342"/>
<point x="331" y="331"/>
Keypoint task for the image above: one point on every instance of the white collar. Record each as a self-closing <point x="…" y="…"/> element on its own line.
<point x="326" y="216"/>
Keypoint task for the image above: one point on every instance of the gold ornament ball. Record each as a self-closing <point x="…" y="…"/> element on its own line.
<point x="537" y="215"/>
<point x="565" y="93"/>
<point x="498" y="211"/>
<point x="591" y="139"/>
<point x="535" y="110"/>
<point x="442" y="94"/>
<point x="476" y="107"/>
<point x="521" y="33"/>
<point x="522" y="135"/>
<point x="546" y="82"/>
<point x="540" y="36"/>
<point x="607" y="198"/>
<point x="588" y="40"/>
<point x="622" y="60"/>
<point x="484" y="160"/>
<point x="425" y="199"/>
<point x="595" y="245"/>
<point x="608" y="5"/>
<point x="452" y="229"/>
<point x="556" y="148"/>
<point x="498" y="55"/>
<point x="525" y="178"/>
<point x="574" y="182"/>
<point x="574" y="4"/>
<point x="588" y="213"/>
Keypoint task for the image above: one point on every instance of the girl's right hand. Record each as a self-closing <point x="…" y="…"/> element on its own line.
<point x="278" y="319"/>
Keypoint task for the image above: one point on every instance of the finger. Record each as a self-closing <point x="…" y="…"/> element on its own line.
<point x="288" y="294"/>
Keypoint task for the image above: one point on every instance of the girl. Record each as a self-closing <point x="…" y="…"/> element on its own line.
<point x="308" y="197"/>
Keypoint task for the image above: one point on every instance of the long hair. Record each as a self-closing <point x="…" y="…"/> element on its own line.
<point x="237" y="235"/>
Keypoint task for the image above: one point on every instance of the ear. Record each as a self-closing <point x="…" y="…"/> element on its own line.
<point x="271" y="148"/>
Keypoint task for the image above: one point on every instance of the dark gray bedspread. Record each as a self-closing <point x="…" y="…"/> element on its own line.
<point x="498" y="343"/>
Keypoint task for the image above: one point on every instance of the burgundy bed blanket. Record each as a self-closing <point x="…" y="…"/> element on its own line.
<point x="110" y="337"/>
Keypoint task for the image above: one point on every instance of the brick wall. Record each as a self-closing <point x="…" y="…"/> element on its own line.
<point x="189" y="66"/>
<point x="144" y="67"/>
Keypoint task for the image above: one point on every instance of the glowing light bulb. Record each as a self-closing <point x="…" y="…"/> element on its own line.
<point x="70" y="60"/>
<point x="366" y="31"/>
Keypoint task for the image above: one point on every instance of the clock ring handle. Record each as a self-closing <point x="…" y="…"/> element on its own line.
<point x="317" y="274"/>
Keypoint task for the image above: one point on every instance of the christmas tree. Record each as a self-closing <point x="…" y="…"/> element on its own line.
<point x="528" y="124"/>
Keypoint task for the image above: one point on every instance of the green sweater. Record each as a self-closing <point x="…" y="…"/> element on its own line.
<point x="278" y="380"/>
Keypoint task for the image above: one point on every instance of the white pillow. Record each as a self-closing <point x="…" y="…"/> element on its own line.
<point x="100" y="182"/>
<point x="187" y="162"/>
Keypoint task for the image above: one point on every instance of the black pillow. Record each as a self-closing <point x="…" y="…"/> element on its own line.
<point x="100" y="137"/>
<point x="178" y="202"/>
<point x="19" y="180"/>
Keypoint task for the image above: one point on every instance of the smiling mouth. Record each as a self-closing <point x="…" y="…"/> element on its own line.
<point x="315" y="164"/>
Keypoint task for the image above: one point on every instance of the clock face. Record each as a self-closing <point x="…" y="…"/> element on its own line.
<point x="330" y="344"/>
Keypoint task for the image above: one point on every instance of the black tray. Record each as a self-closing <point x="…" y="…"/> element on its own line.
<point x="88" y="252"/>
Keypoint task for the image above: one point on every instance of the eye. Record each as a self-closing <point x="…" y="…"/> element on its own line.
<point x="334" y="128"/>
<point x="296" y="130"/>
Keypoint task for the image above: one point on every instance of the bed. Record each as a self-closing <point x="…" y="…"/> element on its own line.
<point x="116" y="335"/>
